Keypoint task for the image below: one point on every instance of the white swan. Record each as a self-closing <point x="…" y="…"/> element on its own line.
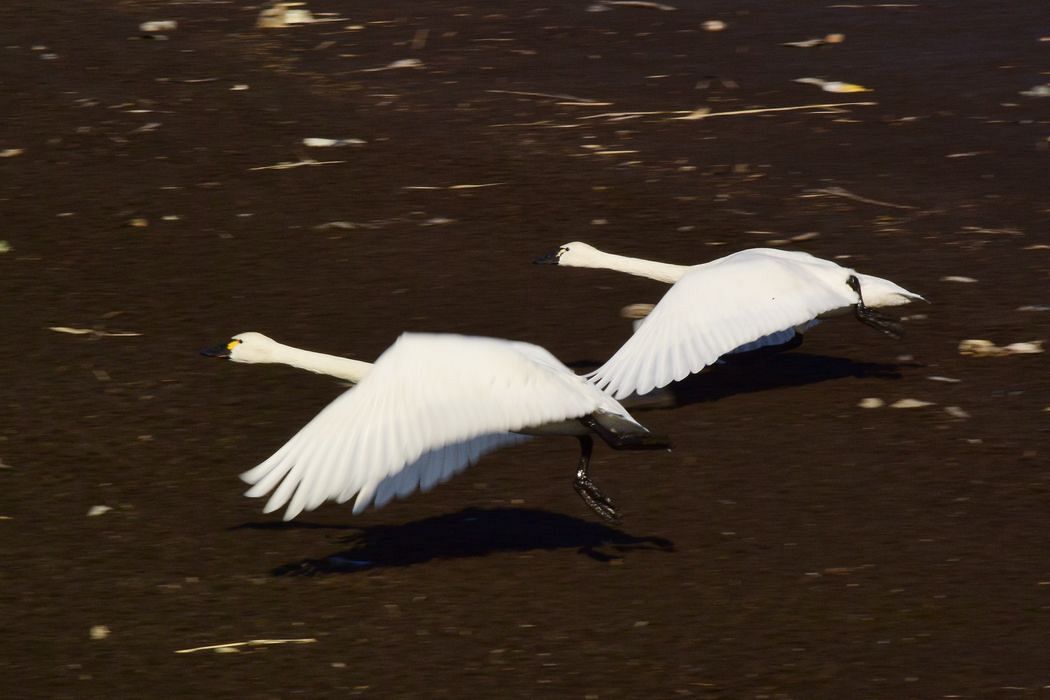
<point x="744" y="301"/>
<point x="430" y="406"/>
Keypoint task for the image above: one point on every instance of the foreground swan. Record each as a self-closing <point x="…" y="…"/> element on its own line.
<point x="430" y="406"/>
<point x="743" y="301"/>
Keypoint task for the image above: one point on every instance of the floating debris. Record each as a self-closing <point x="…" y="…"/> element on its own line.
<point x="705" y="112"/>
<point x="958" y="278"/>
<point x="11" y="152"/>
<point x="977" y="347"/>
<point x="938" y="378"/>
<point x="810" y="235"/>
<point x="833" y="85"/>
<point x="99" y="632"/>
<point x="871" y="402"/>
<point x="282" y="14"/>
<point x="5" y="247"/>
<point x="841" y="192"/>
<point x="1030" y="348"/>
<point x="550" y="95"/>
<point x="163" y="25"/>
<point x="138" y="222"/>
<point x="437" y="221"/>
<point x="1037" y="91"/>
<point x="713" y="25"/>
<point x="250" y="643"/>
<point x="91" y="331"/>
<point x="956" y="412"/>
<point x="638" y="3"/>
<point x="402" y="63"/>
<point x="911" y="403"/>
<point x="289" y="164"/>
<point x="1030" y="307"/>
<point x="810" y="43"/>
<point x="346" y="225"/>
<point x="453" y="187"/>
<point x="329" y="143"/>
<point x="636" y="311"/>
<point x="95" y="511"/>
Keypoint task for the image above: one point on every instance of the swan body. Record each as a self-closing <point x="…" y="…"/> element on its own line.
<point x="430" y="406"/>
<point x="750" y="299"/>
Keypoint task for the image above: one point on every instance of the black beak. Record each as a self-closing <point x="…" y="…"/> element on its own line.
<point x="221" y="351"/>
<point x="550" y="258"/>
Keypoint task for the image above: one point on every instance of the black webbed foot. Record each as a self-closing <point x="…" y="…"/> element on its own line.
<point x="869" y="317"/>
<point x="594" y="498"/>
<point x="880" y="322"/>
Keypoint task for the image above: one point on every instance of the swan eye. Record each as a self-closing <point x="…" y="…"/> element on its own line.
<point x="233" y="343"/>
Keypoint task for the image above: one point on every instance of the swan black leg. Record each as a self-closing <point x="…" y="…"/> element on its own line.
<point x="870" y="317"/>
<point x="598" y="502"/>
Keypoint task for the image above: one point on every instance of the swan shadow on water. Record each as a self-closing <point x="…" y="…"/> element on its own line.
<point x="473" y="532"/>
<point x="755" y="372"/>
<point x="746" y="375"/>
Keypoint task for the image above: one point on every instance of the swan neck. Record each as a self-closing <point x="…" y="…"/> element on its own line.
<point x="320" y="363"/>
<point x="661" y="272"/>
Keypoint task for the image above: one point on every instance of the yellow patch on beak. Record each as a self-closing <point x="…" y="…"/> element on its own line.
<point x="232" y="344"/>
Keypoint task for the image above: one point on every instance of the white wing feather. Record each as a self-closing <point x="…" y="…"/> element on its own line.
<point x="431" y="406"/>
<point x="718" y="307"/>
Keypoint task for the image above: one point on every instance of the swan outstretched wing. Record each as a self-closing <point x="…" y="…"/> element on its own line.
<point x="718" y="307"/>
<point x="431" y="405"/>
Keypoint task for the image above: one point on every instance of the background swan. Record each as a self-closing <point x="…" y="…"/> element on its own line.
<point x="744" y="301"/>
<point x="430" y="406"/>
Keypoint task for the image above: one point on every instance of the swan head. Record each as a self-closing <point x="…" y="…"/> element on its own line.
<point x="575" y="254"/>
<point x="245" y="347"/>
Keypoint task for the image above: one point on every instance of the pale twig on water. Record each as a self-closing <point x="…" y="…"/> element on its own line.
<point x="249" y="643"/>
<point x="402" y="63"/>
<point x="840" y="192"/>
<point x="704" y="113"/>
<point x="287" y="165"/>
<point x="545" y="123"/>
<point x="453" y="187"/>
<point x="553" y="96"/>
<point x="614" y="115"/>
<point x="92" y="331"/>
<point x="641" y="3"/>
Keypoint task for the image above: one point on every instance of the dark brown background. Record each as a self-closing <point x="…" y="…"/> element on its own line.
<point x="793" y="545"/>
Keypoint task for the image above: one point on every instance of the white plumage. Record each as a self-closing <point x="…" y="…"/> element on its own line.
<point x="430" y="406"/>
<point x="741" y="302"/>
